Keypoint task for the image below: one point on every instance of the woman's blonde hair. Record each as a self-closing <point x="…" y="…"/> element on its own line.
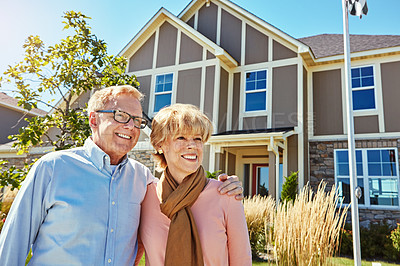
<point x="102" y="97"/>
<point x="177" y="119"/>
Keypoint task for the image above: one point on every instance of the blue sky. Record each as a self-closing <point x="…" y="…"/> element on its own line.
<point x="118" y="21"/>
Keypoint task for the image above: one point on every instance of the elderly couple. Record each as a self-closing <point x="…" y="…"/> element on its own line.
<point x="94" y="206"/>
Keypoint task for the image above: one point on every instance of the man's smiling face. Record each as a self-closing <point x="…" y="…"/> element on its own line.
<point x="112" y="137"/>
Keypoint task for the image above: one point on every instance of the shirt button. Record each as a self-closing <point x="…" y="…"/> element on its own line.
<point x="112" y="230"/>
<point x="113" y="203"/>
<point x="112" y="178"/>
<point x="109" y="260"/>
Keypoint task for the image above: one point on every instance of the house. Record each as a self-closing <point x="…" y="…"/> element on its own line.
<point x="277" y="103"/>
<point x="12" y="116"/>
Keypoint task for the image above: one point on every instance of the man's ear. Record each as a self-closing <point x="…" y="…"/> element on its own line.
<point x="93" y="120"/>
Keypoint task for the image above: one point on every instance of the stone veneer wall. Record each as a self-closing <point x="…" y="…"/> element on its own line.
<point x="143" y="156"/>
<point x="322" y="169"/>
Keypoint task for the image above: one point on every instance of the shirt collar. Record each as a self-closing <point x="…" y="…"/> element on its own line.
<point x="98" y="156"/>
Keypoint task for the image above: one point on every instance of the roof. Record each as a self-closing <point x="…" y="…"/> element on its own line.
<point x="11" y="102"/>
<point x="324" y="45"/>
<point x="164" y="15"/>
<point x="194" y="5"/>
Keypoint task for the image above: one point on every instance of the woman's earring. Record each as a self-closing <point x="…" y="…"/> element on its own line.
<point x="160" y="151"/>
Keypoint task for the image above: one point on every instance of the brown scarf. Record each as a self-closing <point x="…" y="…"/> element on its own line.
<point x="183" y="244"/>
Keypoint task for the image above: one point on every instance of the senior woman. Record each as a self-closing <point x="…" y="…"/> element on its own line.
<point x="184" y="220"/>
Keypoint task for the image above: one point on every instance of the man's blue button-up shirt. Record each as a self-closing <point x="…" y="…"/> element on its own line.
<point x="72" y="210"/>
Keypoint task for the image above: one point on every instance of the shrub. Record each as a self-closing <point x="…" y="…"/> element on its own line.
<point x="289" y="188"/>
<point x="395" y="237"/>
<point x="375" y="242"/>
<point x="306" y="232"/>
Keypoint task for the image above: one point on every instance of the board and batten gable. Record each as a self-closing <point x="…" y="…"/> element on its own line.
<point x="327" y="102"/>
<point x="390" y="74"/>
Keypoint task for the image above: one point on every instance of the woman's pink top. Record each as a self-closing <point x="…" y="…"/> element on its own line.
<point x="220" y="222"/>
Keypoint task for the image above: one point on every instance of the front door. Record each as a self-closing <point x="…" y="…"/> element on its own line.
<point x="260" y="180"/>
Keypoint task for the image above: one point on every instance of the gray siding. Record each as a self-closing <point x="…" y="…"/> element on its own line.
<point x="256" y="46"/>
<point x="257" y="122"/>
<point x="236" y="101"/>
<point x="231" y="164"/>
<point x="11" y="122"/>
<point x="145" y="83"/>
<point x="207" y="21"/>
<point x="190" y="51"/>
<point x="166" y="50"/>
<point x="209" y="91"/>
<point x="390" y="73"/>
<point x="143" y="58"/>
<point x="223" y="101"/>
<point x="327" y="103"/>
<point x="366" y="124"/>
<point x="292" y="154"/>
<point x="189" y="86"/>
<point x="284" y="96"/>
<point x="281" y="52"/>
<point x="231" y="34"/>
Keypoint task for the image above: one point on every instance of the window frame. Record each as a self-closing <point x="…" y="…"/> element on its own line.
<point x="155" y="94"/>
<point x="364" y="88"/>
<point x="245" y="93"/>
<point x="366" y="177"/>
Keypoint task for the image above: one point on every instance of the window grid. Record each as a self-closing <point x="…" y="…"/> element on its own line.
<point x="256" y="91"/>
<point x="163" y="91"/>
<point x="363" y="88"/>
<point x="377" y="190"/>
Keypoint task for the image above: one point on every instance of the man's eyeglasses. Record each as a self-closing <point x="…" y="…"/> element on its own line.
<point x="124" y="118"/>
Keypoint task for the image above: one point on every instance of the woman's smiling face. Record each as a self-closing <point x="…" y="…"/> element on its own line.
<point x="184" y="154"/>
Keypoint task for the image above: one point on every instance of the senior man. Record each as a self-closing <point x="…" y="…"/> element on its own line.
<point x="82" y="206"/>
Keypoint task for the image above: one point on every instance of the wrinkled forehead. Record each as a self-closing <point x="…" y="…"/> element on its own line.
<point x="124" y="102"/>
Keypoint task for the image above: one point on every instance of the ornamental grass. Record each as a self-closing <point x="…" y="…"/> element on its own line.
<point x="303" y="232"/>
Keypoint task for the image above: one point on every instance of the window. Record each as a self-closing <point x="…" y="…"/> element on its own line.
<point x="362" y="83"/>
<point x="256" y="91"/>
<point x="163" y="91"/>
<point x="377" y="175"/>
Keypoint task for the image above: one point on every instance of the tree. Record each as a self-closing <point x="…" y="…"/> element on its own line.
<point x="77" y="64"/>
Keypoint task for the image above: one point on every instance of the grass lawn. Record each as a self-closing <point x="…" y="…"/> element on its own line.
<point x="337" y="261"/>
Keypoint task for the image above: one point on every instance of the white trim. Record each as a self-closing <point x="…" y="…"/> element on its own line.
<point x="153" y="26"/>
<point x="243" y="14"/>
<point x="258" y="112"/>
<point x="160" y="70"/>
<point x="202" y="87"/>
<point x="270" y="49"/>
<point x="243" y="47"/>
<point x="155" y="52"/>
<point x="379" y="97"/>
<point x="229" y="102"/>
<point x="217" y="82"/>
<point x="366" y="177"/>
<point x="353" y="55"/>
<point x="218" y="37"/>
<point x="153" y="90"/>
<point x="280" y="63"/>
<point x="178" y="46"/>
<point x="196" y="20"/>
<point x="374" y="136"/>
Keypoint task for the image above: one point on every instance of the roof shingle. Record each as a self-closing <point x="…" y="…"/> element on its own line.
<point x="10" y="101"/>
<point x="324" y="45"/>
